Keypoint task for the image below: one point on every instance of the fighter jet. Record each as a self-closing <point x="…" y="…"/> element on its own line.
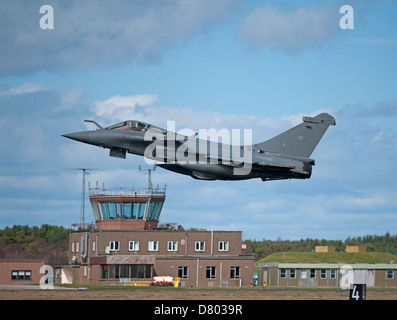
<point x="285" y="156"/>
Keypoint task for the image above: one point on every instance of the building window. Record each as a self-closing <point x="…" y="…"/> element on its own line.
<point x="303" y="273"/>
<point x="183" y="272"/>
<point x="154" y="210"/>
<point x="211" y="273"/>
<point x="21" y="275"/>
<point x="390" y="274"/>
<point x="153" y="246"/>
<point x="283" y="273"/>
<point x="114" y="245"/>
<point x="117" y="271"/>
<point x="172" y="246"/>
<point x="133" y="245"/>
<point x="292" y="273"/>
<point x="93" y="245"/>
<point x="234" y="272"/>
<point x="312" y="273"/>
<point x="109" y="210"/>
<point x="142" y="210"/>
<point x="323" y="273"/>
<point x="223" y="246"/>
<point x="199" y="246"/>
<point x="332" y="273"/>
<point x="73" y="246"/>
<point x="95" y="210"/>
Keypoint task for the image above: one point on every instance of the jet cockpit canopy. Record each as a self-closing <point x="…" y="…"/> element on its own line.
<point x="136" y="126"/>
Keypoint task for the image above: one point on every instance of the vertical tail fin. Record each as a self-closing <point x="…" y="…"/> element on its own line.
<point x="300" y="140"/>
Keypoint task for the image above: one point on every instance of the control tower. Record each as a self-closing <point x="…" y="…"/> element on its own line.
<point x="127" y="208"/>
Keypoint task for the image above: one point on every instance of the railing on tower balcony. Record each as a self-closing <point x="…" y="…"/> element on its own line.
<point x="127" y="192"/>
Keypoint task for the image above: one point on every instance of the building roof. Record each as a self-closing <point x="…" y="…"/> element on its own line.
<point x="330" y="257"/>
<point x="326" y="265"/>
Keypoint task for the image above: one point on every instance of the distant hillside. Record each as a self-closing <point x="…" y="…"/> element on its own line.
<point x="344" y="257"/>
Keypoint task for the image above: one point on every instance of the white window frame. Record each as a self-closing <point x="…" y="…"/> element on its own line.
<point x="133" y="245"/>
<point x="198" y="247"/>
<point x="172" y="245"/>
<point x="184" y="272"/>
<point x="212" y="272"/>
<point x="223" y="245"/>
<point x="114" y="245"/>
<point x="235" y="271"/>
<point x="153" y="245"/>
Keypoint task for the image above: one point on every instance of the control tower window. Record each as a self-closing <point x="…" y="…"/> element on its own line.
<point x="130" y="210"/>
<point x="142" y="209"/>
<point x="96" y="211"/>
<point x="104" y="211"/>
<point x="154" y="210"/>
<point x="114" y="210"/>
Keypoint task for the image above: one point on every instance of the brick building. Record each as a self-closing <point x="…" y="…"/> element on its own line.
<point x="128" y="247"/>
<point x="20" y="271"/>
<point x="199" y="258"/>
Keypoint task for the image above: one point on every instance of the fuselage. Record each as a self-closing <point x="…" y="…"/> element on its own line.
<point x="201" y="159"/>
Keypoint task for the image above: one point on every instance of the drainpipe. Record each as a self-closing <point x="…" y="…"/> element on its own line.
<point x="220" y="274"/>
<point x="186" y="238"/>
<point x="197" y="273"/>
<point x="212" y="241"/>
<point x="100" y="243"/>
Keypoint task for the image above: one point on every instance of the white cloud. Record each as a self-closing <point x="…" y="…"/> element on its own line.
<point x="143" y="107"/>
<point x="23" y="89"/>
<point x="89" y="33"/>
<point x="292" y="31"/>
<point x="122" y="108"/>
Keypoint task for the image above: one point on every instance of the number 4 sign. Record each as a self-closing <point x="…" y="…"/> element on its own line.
<point x="357" y="292"/>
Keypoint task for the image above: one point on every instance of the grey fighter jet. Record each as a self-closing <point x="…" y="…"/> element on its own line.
<point x="286" y="156"/>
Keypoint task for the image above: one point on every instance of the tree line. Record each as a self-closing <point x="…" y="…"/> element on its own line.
<point x="373" y="243"/>
<point x="47" y="242"/>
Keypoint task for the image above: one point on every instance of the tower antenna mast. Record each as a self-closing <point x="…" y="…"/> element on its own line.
<point x="82" y="207"/>
<point x="150" y="185"/>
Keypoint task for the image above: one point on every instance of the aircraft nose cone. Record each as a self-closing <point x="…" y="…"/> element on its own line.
<point x="78" y="136"/>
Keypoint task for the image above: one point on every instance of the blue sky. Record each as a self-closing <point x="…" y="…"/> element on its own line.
<point x="257" y="65"/>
